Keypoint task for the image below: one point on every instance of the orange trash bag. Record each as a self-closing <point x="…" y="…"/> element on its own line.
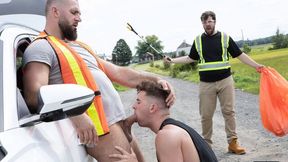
<point x="274" y="101"/>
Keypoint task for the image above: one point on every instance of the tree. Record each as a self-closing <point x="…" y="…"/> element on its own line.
<point x="142" y="48"/>
<point x="182" y="53"/>
<point x="114" y="59"/>
<point x="246" y="48"/>
<point x="258" y="41"/>
<point x="279" y="40"/>
<point x="121" y="54"/>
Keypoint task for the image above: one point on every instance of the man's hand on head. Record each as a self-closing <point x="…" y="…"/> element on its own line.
<point x="170" y="100"/>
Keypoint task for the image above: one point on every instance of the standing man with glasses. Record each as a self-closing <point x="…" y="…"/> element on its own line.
<point x="211" y="50"/>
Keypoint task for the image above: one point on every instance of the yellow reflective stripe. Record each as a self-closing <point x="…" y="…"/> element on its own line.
<point x="215" y="62"/>
<point x="198" y="44"/>
<point x="200" y="40"/>
<point x="214" y="66"/>
<point x="72" y="62"/>
<point x="92" y="113"/>
<point x="210" y="69"/>
<point x="223" y="46"/>
<point x="96" y="121"/>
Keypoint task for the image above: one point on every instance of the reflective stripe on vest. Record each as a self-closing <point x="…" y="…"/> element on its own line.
<point x="217" y="65"/>
<point x="75" y="71"/>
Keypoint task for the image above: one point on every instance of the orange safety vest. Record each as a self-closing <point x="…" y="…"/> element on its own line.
<point x="75" y="71"/>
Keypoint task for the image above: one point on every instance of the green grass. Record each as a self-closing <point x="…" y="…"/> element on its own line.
<point x="120" y="88"/>
<point x="140" y="66"/>
<point x="246" y="78"/>
<point x="258" y="49"/>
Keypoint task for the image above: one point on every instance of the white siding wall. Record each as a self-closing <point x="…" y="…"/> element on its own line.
<point x="186" y="49"/>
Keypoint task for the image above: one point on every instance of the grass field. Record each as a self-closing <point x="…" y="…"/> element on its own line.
<point x="119" y="88"/>
<point x="246" y="78"/>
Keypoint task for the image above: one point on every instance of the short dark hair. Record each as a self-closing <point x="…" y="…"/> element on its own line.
<point x="153" y="89"/>
<point x="48" y="4"/>
<point x="206" y="14"/>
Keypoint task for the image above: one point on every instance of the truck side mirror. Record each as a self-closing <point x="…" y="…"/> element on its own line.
<point x="59" y="101"/>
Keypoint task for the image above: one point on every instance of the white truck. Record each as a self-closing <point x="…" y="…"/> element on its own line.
<point x="47" y="136"/>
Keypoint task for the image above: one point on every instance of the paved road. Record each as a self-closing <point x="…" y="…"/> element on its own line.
<point x="260" y="144"/>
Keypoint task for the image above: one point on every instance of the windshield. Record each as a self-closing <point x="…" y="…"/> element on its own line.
<point x="35" y="7"/>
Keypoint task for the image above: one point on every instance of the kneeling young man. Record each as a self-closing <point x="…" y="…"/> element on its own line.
<point x="175" y="141"/>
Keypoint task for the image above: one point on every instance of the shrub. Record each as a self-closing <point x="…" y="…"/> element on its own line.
<point x="177" y="68"/>
<point x="174" y="73"/>
<point x="166" y="65"/>
<point x="246" y="48"/>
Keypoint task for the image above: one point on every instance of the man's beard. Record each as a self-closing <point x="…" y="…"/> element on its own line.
<point x="68" y="32"/>
<point x="210" y="31"/>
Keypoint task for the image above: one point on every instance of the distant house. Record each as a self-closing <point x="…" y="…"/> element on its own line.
<point x="105" y="57"/>
<point x="185" y="47"/>
<point x="146" y="57"/>
<point x="135" y="59"/>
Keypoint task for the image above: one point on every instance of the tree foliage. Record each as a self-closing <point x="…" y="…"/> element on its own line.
<point x="121" y="54"/>
<point x="182" y="53"/>
<point x="279" y="40"/>
<point x="142" y="48"/>
<point x="246" y="48"/>
<point x="254" y="42"/>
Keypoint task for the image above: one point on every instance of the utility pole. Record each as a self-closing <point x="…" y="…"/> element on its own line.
<point x="242" y="38"/>
<point x="242" y="35"/>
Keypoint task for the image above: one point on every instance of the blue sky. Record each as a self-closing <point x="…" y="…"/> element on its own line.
<point x="104" y="21"/>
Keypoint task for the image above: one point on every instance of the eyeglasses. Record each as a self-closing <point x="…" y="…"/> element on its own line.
<point x="208" y="22"/>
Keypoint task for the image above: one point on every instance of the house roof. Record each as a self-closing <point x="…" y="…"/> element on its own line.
<point x="184" y="45"/>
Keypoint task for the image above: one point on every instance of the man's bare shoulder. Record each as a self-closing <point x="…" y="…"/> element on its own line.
<point x="168" y="144"/>
<point x="169" y="132"/>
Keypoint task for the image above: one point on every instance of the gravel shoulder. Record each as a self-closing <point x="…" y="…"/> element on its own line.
<point x="259" y="143"/>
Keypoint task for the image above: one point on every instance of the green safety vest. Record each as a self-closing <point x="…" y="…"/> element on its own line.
<point x="217" y="65"/>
